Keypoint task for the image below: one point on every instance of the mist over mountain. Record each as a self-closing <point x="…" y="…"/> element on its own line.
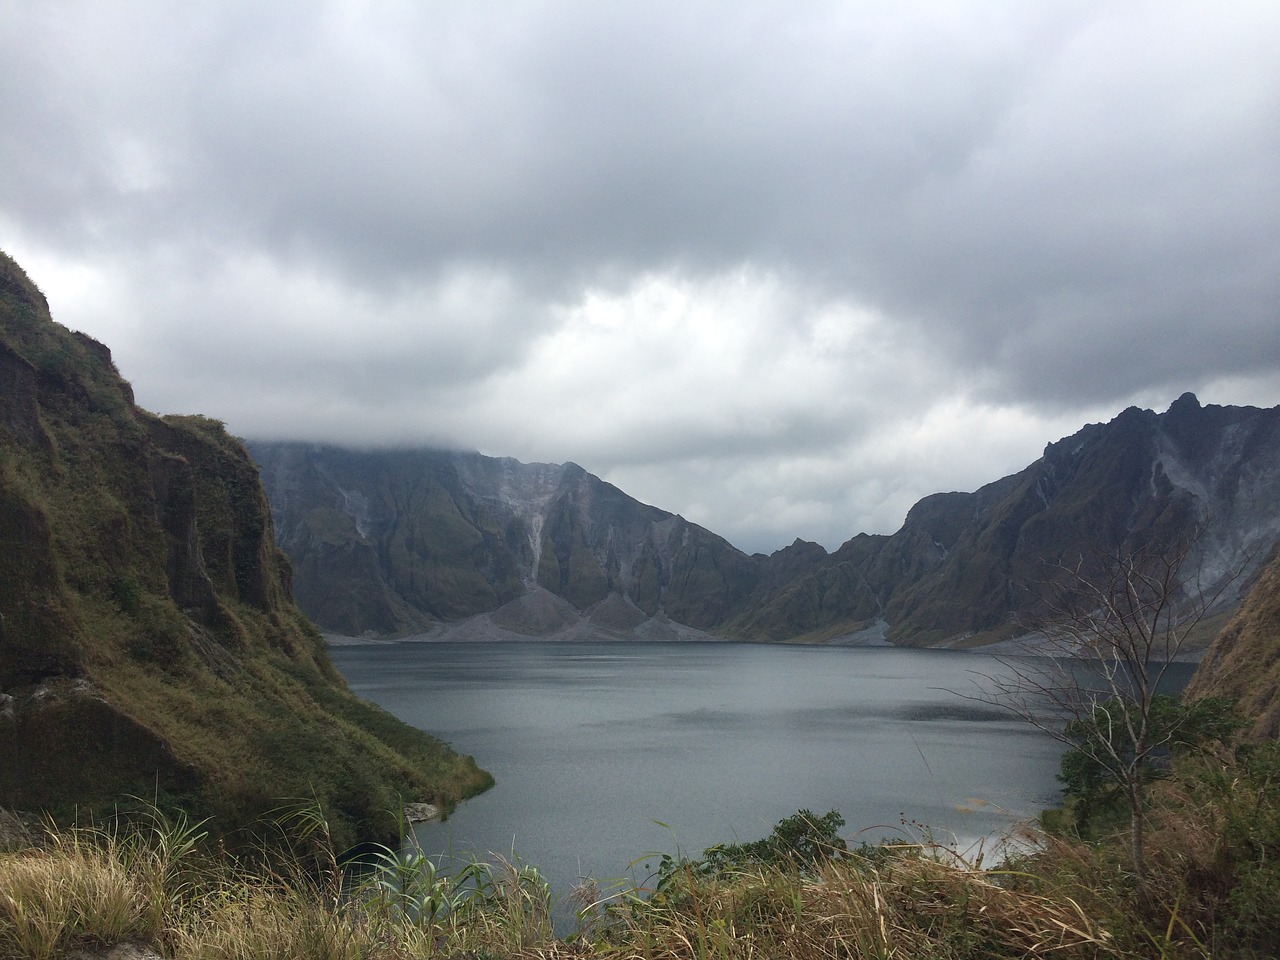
<point x="462" y="545"/>
<point x="387" y="543"/>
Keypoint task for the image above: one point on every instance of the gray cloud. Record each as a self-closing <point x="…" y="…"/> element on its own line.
<point x="782" y="267"/>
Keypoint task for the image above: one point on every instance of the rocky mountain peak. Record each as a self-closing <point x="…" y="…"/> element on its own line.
<point x="460" y="535"/>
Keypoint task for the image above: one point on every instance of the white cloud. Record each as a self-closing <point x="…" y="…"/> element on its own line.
<point x="784" y="268"/>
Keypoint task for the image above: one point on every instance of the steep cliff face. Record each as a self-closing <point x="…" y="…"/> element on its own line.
<point x="149" y="643"/>
<point x="1244" y="660"/>
<point x="393" y="542"/>
<point x="396" y="541"/>
<point x="970" y="566"/>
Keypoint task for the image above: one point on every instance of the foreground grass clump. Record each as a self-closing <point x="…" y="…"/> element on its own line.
<point x="103" y="886"/>
<point x="1212" y="891"/>
<point x="903" y="903"/>
<point x="1212" y="885"/>
<point x="157" y="883"/>
<point x="156" y="886"/>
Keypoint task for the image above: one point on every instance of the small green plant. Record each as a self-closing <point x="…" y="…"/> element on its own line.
<point x="801" y="840"/>
<point x="128" y="594"/>
<point x="513" y="899"/>
<point x="160" y="849"/>
<point x="407" y="884"/>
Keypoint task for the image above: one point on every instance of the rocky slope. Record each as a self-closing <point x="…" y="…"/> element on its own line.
<point x="395" y="542"/>
<point x="149" y="642"/>
<point x="1244" y="661"/>
<point x="398" y="542"/>
<point x="966" y="566"/>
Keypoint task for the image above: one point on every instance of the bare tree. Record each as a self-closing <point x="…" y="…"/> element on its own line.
<point x="1115" y="621"/>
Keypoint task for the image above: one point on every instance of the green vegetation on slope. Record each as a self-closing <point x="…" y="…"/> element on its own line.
<point x="149" y="644"/>
<point x="1244" y="661"/>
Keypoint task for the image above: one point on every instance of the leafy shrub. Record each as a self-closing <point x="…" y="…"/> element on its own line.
<point x="127" y="594"/>
<point x="1089" y="770"/>
<point x="800" y="840"/>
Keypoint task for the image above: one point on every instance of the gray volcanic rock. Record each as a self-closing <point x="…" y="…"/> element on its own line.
<point x="387" y="543"/>
<point x="393" y="542"/>
<point x="968" y="566"/>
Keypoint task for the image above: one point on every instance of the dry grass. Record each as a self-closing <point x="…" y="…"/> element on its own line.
<point x="1211" y="893"/>
<point x="89" y="888"/>
<point x="908" y="903"/>
<point x="255" y="921"/>
<point x="81" y="890"/>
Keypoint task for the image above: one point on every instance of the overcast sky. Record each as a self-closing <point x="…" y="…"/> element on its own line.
<point x="783" y="268"/>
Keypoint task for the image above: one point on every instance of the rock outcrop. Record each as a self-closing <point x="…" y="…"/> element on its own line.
<point x="149" y="642"/>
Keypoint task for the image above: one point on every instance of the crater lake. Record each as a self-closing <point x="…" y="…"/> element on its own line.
<point x="609" y="754"/>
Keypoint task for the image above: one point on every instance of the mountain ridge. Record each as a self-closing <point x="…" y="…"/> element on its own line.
<point x="438" y="537"/>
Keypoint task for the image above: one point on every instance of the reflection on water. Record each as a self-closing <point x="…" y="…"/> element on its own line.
<point x="604" y="752"/>
<point x="959" y="712"/>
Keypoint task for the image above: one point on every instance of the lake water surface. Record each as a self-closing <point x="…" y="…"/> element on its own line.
<point x="596" y="746"/>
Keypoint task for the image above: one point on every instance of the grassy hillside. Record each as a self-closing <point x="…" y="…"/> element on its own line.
<point x="149" y="643"/>
<point x="1244" y="661"/>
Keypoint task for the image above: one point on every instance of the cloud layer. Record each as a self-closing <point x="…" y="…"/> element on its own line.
<point x="781" y="267"/>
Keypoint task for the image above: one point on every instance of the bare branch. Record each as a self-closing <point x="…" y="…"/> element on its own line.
<point x="1115" y="620"/>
